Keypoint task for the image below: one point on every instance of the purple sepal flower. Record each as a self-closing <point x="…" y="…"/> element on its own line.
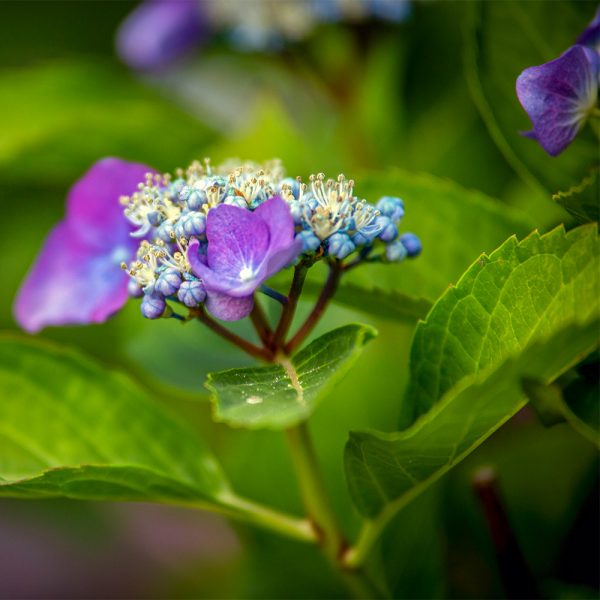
<point x="158" y="32"/>
<point x="591" y="35"/>
<point x="76" y="278"/>
<point x="244" y="249"/>
<point x="228" y="308"/>
<point x="558" y="96"/>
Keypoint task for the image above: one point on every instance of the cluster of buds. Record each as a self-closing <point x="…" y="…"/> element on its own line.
<point x="178" y="250"/>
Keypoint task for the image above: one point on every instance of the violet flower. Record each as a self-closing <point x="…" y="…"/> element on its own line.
<point x="591" y="35"/>
<point x="244" y="249"/>
<point x="158" y="32"/>
<point x="559" y="96"/>
<point x="76" y="278"/>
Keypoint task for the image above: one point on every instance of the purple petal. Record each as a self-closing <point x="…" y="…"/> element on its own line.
<point x="591" y="34"/>
<point x="237" y="239"/>
<point x="94" y="212"/>
<point x="70" y="283"/>
<point x="158" y="32"/>
<point x="558" y="96"/>
<point x="228" y="308"/>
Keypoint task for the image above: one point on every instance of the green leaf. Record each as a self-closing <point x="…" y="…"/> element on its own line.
<point x="280" y="396"/>
<point x="69" y="428"/>
<point x="436" y="210"/>
<point x="530" y="309"/>
<point x="582" y="200"/>
<point x="385" y="304"/>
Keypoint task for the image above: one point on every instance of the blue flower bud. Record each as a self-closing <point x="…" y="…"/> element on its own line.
<point x="191" y="223"/>
<point x="176" y="187"/>
<point x="293" y="184"/>
<point x="153" y="306"/>
<point x="310" y="242"/>
<point x="155" y="218"/>
<point x="238" y="201"/>
<point x="340" y="245"/>
<point x="395" y="251"/>
<point x="191" y="293"/>
<point x="197" y="199"/>
<point x="388" y="230"/>
<point x="134" y="290"/>
<point x="168" y="282"/>
<point x="412" y="244"/>
<point x="164" y="231"/>
<point x="296" y="211"/>
<point x="392" y="207"/>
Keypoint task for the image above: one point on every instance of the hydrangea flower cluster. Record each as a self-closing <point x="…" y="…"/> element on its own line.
<point x="559" y="96"/>
<point x="158" y="32"/>
<point x="213" y="235"/>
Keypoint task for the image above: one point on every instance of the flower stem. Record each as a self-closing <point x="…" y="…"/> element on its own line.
<point x="263" y="354"/>
<point x="247" y="511"/>
<point x="267" y="291"/>
<point x="313" y="491"/>
<point x="261" y="324"/>
<point x="329" y="289"/>
<point x="289" y="309"/>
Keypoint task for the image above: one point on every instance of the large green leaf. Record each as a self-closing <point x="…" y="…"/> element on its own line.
<point x="70" y="428"/>
<point x="531" y="310"/>
<point x="282" y="395"/>
<point x="454" y="225"/>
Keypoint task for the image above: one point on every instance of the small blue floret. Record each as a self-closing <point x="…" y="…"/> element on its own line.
<point x="310" y="242"/>
<point x="391" y="207"/>
<point x="389" y="231"/>
<point x="412" y="244"/>
<point x="153" y="306"/>
<point x="168" y="282"/>
<point x="340" y="245"/>
<point x="191" y="293"/>
<point x="395" y="251"/>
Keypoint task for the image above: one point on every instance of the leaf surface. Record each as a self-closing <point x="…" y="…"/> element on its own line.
<point x="69" y="428"/>
<point x="529" y="310"/>
<point x="282" y="395"/>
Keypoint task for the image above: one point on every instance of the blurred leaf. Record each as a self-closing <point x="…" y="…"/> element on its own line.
<point x="59" y="118"/>
<point x="279" y="396"/>
<point x="549" y="403"/>
<point x="69" y="428"/>
<point x="494" y="60"/>
<point x="530" y="309"/>
<point x="454" y="224"/>
<point x="582" y="200"/>
<point x="384" y="304"/>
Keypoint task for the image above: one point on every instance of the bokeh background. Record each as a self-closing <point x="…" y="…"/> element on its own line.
<point x="354" y="97"/>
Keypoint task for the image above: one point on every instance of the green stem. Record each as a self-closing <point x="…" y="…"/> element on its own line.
<point x="253" y="513"/>
<point x="313" y="491"/>
<point x="289" y="309"/>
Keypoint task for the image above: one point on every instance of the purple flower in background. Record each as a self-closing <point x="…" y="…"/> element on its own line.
<point x="559" y="95"/>
<point x="76" y="278"/>
<point x="244" y="249"/>
<point x="159" y="32"/>
<point x="591" y="36"/>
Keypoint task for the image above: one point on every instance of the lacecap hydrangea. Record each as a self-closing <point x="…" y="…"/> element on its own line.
<point x="213" y="235"/>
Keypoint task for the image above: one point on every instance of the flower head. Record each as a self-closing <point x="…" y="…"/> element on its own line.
<point x="76" y="278"/>
<point x="559" y="96"/>
<point x="212" y="235"/>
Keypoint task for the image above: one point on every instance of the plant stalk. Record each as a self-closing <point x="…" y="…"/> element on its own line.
<point x="289" y="309"/>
